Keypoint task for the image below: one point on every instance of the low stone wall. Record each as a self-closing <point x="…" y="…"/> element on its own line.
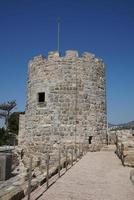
<point x="17" y="187"/>
<point x="125" y="147"/>
<point x="132" y="175"/>
<point x="111" y="137"/>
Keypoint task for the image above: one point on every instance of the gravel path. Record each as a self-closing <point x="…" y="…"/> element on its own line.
<point x="97" y="176"/>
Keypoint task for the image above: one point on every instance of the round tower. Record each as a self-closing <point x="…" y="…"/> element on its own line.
<point x="65" y="101"/>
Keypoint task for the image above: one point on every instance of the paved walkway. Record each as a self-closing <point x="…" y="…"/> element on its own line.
<point x="97" y="176"/>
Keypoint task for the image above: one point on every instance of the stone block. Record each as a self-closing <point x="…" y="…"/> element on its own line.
<point x="5" y="165"/>
<point x="71" y="54"/>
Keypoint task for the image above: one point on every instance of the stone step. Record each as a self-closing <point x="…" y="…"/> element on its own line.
<point x="109" y="148"/>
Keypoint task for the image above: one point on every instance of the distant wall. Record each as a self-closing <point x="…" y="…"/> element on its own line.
<point x="22" y="133"/>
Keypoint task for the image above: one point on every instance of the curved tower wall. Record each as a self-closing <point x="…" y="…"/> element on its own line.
<point x="74" y="106"/>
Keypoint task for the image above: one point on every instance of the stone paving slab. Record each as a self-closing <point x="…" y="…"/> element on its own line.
<point x="97" y="176"/>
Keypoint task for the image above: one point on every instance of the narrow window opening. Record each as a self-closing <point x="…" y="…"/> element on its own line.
<point x="41" y="97"/>
<point x="90" y="139"/>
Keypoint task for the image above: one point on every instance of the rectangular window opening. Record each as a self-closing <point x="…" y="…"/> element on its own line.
<point x="90" y="139"/>
<point x="41" y="97"/>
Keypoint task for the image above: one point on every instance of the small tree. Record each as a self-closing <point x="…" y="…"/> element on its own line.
<point x="6" y="111"/>
<point x="13" y="122"/>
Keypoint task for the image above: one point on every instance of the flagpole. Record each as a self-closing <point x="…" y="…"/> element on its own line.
<point x="58" y="41"/>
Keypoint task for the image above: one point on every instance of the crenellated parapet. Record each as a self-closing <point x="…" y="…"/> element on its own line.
<point x="69" y="54"/>
<point x="42" y="67"/>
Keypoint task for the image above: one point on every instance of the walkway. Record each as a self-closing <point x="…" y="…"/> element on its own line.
<point x="97" y="176"/>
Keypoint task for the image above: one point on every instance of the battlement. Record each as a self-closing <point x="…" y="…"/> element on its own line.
<point x="88" y="55"/>
<point x="53" y="55"/>
<point x="69" y="54"/>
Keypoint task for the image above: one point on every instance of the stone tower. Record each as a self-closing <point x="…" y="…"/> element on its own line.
<point x="65" y="102"/>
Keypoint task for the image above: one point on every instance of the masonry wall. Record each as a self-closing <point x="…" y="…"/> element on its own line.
<point x="74" y="106"/>
<point x="22" y="132"/>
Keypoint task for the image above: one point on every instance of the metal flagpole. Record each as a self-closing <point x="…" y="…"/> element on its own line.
<point x="58" y="44"/>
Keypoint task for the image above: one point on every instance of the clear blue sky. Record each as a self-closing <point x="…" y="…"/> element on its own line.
<point x="103" y="27"/>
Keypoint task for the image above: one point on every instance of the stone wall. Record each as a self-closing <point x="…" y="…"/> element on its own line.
<point x="122" y="134"/>
<point x="74" y="106"/>
<point x="125" y="146"/>
<point x="22" y="135"/>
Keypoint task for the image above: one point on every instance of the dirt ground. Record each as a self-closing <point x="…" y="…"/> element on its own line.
<point x="97" y="176"/>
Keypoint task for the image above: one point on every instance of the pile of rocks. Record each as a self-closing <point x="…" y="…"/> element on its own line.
<point x="125" y="147"/>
